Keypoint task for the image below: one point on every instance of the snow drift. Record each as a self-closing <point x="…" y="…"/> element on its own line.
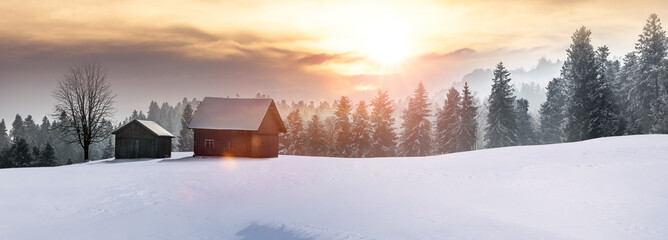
<point x="609" y="188"/>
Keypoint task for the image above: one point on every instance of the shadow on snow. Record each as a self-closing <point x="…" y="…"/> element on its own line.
<point x="255" y="231"/>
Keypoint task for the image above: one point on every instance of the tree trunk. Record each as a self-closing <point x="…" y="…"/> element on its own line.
<point x="85" y="148"/>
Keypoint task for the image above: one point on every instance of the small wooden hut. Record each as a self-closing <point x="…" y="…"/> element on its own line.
<point x="238" y="127"/>
<point x="143" y="139"/>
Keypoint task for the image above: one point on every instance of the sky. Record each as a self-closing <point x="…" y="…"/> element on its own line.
<point x="294" y="50"/>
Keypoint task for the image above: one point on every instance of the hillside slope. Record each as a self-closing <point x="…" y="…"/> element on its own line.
<point x="610" y="188"/>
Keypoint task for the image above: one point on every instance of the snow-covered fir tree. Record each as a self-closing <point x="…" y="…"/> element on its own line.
<point x="141" y="115"/>
<point x="646" y="87"/>
<point x="448" y="124"/>
<point x="31" y="131"/>
<point x="5" y="162"/>
<point x="344" y="136"/>
<point x="552" y="118"/>
<point x="4" y="137"/>
<point x="316" y="143"/>
<point x="45" y="133"/>
<point x="294" y="136"/>
<point x="153" y="113"/>
<point x="416" y="128"/>
<point x="581" y="75"/>
<point x="18" y="129"/>
<point x="35" y="155"/>
<point x="109" y="150"/>
<point x="526" y="134"/>
<point x="19" y="154"/>
<point x="47" y="157"/>
<point x="382" y="124"/>
<point x="361" y="131"/>
<point x="660" y="114"/>
<point x="168" y="118"/>
<point x="604" y="119"/>
<point x="135" y="115"/>
<point x="186" y="135"/>
<point x="468" y="124"/>
<point x="622" y="87"/>
<point x="501" y="120"/>
<point x="329" y="127"/>
<point x="65" y="151"/>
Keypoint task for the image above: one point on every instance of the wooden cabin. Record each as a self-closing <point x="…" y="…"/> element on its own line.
<point x="237" y="127"/>
<point x="143" y="139"/>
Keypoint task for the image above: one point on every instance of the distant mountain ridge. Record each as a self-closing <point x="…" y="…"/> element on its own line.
<point x="529" y="84"/>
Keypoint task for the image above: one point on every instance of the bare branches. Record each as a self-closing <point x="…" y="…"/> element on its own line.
<point x="86" y="99"/>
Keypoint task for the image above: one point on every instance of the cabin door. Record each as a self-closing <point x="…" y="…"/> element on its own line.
<point x="135" y="152"/>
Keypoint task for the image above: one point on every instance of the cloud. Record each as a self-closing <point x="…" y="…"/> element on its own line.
<point x="456" y="53"/>
<point x="323" y="58"/>
<point x="190" y="32"/>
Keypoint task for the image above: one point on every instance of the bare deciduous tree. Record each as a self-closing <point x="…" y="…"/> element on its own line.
<point x="84" y="101"/>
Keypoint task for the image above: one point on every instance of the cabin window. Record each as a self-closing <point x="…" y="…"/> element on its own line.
<point x="208" y="143"/>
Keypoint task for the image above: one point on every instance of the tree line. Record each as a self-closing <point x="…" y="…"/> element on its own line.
<point x="30" y="144"/>
<point x="593" y="97"/>
<point x="368" y="130"/>
<point x="597" y="97"/>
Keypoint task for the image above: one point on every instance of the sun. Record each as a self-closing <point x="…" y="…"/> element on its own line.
<point x="387" y="46"/>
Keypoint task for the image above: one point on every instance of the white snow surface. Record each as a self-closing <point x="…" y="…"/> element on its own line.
<point x="609" y="188"/>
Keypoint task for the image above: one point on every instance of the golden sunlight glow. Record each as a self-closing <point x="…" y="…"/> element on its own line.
<point x="228" y="162"/>
<point x="387" y="46"/>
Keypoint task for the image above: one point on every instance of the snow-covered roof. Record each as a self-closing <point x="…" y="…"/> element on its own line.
<point x="152" y="126"/>
<point x="232" y="113"/>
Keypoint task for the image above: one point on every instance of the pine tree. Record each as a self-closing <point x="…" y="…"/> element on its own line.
<point x="5" y="162"/>
<point x="35" y="156"/>
<point x="468" y="125"/>
<point x="581" y="77"/>
<point x="45" y="133"/>
<point x="382" y="125"/>
<point x="18" y="129"/>
<point x="135" y="115"/>
<point x="109" y="150"/>
<point x="416" y="128"/>
<point x="623" y="84"/>
<point x="4" y="138"/>
<point x="141" y="116"/>
<point x="316" y="143"/>
<point x="63" y="148"/>
<point x="19" y="154"/>
<point x="361" y="131"/>
<point x="47" y="157"/>
<point x="552" y="117"/>
<point x="660" y="106"/>
<point x="526" y="135"/>
<point x="604" y="118"/>
<point x="31" y="131"/>
<point x="153" y="112"/>
<point x="294" y="136"/>
<point x="186" y="138"/>
<point x="165" y="117"/>
<point x="646" y="87"/>
<point x="344" y="137"/>
<point x="448" y="123"/>
<point x="660" y="114"/>
<point x="501" y="121"/>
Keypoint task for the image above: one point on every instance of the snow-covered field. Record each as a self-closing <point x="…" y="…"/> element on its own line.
<point x="611" y="188"/>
